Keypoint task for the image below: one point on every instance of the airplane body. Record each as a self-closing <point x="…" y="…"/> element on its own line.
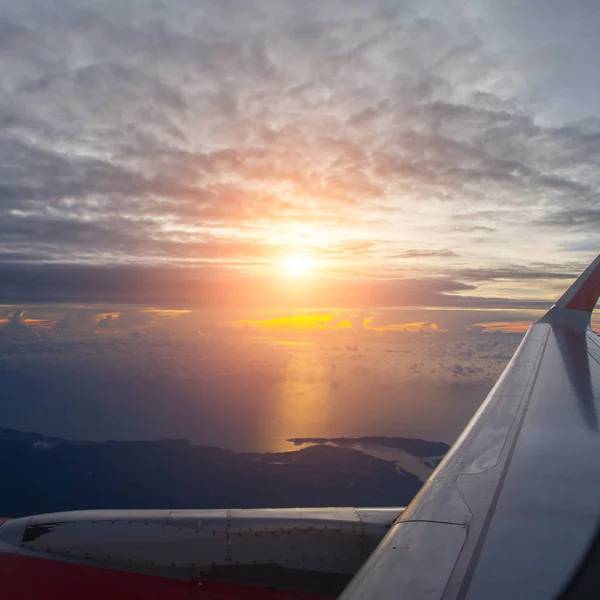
<point x="512" y="511"/>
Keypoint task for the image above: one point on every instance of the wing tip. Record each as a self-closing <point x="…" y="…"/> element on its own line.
<point x="584" y="293"/>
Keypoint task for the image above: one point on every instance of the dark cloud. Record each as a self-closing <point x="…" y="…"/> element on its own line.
<point x="459" y="370"/>
<point x="578" y="218"/>
<point x="16" y="320"/>
<point x="425" y="254"/>
<point x="209" y="287"/>
<point x="517" y="273"/>
<point x="212" y="287"/>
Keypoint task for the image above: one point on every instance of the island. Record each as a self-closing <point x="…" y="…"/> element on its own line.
<point x="45" y="474"/>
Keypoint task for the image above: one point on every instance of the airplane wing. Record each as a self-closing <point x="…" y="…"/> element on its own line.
<point x="513" y="511"/>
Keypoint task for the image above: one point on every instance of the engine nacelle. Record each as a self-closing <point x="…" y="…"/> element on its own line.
<point x="312" y="550"/>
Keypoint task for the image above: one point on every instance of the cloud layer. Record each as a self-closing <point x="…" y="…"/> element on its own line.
<point x="246" y="380"/>
<point x="390" y="140"/>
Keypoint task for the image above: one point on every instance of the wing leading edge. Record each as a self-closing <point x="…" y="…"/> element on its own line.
<point x="513" y="509"/>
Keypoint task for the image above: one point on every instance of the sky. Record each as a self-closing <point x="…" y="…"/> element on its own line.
<point x="430" y="153"/>
<point x="232" y="195"/>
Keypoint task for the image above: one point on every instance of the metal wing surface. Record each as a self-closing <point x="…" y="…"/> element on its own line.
<point x="513" y="510"/>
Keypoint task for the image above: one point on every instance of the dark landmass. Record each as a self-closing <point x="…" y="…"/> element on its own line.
<point x="416" y="447"/>
<point x="44" y="474"/>
<point x="12" y="435"/>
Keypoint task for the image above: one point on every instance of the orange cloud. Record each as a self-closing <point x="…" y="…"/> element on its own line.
<point x="35" y="323"/>
<point x="39" y="323"/>
<point x="504" y="326"/>
<point x="415" y="327"/>
<point x="166" y="313"/>
<point x="316" y="322"/>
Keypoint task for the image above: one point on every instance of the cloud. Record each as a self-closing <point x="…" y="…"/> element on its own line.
<point x="516" y="272"/>
<point x="153" y="376"/>
<point x="503" y="326"/>
<point x="459" y="370"/>
<point x="230" y="132"/>
<point x="15" y="320"/>
<point x="425" y="254"/>
<point x="107" y="321"/>
<point x="195" y="287"/>
<point x="574" y="218"/>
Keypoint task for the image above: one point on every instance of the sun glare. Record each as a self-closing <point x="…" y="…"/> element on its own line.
<point x="298" y="265"/>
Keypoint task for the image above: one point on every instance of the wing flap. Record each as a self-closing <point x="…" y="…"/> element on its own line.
<point x="415" y="556"/>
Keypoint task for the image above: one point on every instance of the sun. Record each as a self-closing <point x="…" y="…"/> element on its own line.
<point x="298" y="265"/>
